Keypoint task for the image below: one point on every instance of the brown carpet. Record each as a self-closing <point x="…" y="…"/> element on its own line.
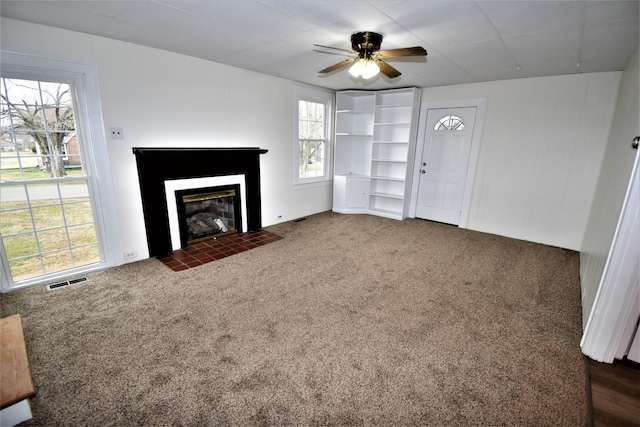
<point x="348" y="320"/>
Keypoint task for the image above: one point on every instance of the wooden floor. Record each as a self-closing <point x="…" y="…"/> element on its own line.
<point x="615" y="393"/>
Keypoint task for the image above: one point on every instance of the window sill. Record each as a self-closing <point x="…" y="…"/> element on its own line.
<point x="312" y="184"/>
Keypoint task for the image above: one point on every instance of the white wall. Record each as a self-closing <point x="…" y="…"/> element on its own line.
<point x="543" y="142"/>
<point x="162" y="99"/>
<point x="612" y="185"/>
<point x="542" y="146"/>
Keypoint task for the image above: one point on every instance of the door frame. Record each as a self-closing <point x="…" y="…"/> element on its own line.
<point x="481" y="106"/>
<point x="89" y="114"/>
<point x="611" y="326"/>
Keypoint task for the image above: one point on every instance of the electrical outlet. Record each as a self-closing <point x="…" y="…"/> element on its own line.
<point x="130" y="254"/>
<point x="116" y="133"/>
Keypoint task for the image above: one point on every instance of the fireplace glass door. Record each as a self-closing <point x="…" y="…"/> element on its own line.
<point x="208" y="213"/>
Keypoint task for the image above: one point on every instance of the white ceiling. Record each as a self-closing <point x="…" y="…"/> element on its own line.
<point x="467" y="41"/>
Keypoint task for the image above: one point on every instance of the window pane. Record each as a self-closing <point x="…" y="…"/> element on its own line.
<point x="85" y="255"/>
<point x="48" y="217"/>
<point x="14" y="221"/>
<point x="27" y="117"/>
<point x="302" y="109"/>
<point x="57" y="261"/>
<point x="19" y="90"/>
<point x="20" y="245"/>
<point x="24" y="145"/>
<point x="51" y="240"/>
<point x="311" y="159"/>
<point x="303" y="129"/>
<point x="59" y="118"/>
<point x="77" y="213"/>
<point x="58" y="94"/>
<point x="26" y="268"/>
<point x="5" y="123"/>
<point x="82" y="235"/>
<point x="315" y="130"/>
<point x="311" y="119"/>
<point x="449" y="123"/>
<point x="12" y="196"/>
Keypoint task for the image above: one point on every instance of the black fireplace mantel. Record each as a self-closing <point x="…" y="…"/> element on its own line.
<point x="157" y="165"/>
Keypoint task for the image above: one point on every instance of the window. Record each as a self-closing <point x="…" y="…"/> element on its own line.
<point x="449" y="123"/>
<point x="51" y="225"/>
<point x="47" y="223"/>
<point x="312" y="144"/>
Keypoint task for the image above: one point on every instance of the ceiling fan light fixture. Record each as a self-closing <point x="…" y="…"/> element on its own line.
<point x="364" y="68"/>
<point x="369" y="59"/>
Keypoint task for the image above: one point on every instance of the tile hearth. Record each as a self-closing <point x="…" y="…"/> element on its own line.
<point x="215" y="249"/>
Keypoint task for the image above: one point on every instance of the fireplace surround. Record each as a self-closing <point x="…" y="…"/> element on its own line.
<point x="157" y="165"/>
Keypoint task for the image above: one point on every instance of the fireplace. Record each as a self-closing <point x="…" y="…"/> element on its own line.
<point x="208" y="213"/>
<point x="159" y="167"/>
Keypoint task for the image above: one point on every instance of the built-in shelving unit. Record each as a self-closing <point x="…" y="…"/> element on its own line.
<point x="375" y="145"/>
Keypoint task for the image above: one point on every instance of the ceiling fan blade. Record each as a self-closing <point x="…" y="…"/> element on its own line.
<point x="403" y="51"/>
<point x="338" y="65"/>
<point x="336" y="48"/>
<point x="387" y="69"/>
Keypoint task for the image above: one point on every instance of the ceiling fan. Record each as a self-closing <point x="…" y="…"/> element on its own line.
<point x="369" y="59"/>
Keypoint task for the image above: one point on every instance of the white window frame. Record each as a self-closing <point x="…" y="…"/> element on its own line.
<point x="326" y="97"/>
<point x="88" y="113"/>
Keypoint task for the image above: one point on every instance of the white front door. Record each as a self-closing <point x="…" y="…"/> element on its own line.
<point x="445" y="160"/>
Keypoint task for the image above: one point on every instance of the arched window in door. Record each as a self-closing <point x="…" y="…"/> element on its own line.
<point x="449" y="123"/>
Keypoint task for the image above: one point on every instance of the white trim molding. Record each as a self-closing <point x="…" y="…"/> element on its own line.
<point x="611" y="325"/>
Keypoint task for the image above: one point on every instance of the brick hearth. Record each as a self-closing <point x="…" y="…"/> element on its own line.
<point x="211" y="250"/>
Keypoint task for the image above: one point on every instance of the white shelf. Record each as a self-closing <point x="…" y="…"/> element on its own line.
<point x="389" y="195"/>
<point x="353" y="111"/>
<point x="374" y="146"/>
<point x="390" y="160"/>
<point x="353" y="175"/>
<point x="386" y="213"/>
<point x="388" y="178"/>
<point x="393" y="104"/>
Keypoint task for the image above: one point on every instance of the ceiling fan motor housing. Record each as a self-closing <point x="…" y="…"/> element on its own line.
<point x="365" y="43"/>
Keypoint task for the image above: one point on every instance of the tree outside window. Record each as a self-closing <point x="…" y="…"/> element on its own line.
<point x="38" y="117"/>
